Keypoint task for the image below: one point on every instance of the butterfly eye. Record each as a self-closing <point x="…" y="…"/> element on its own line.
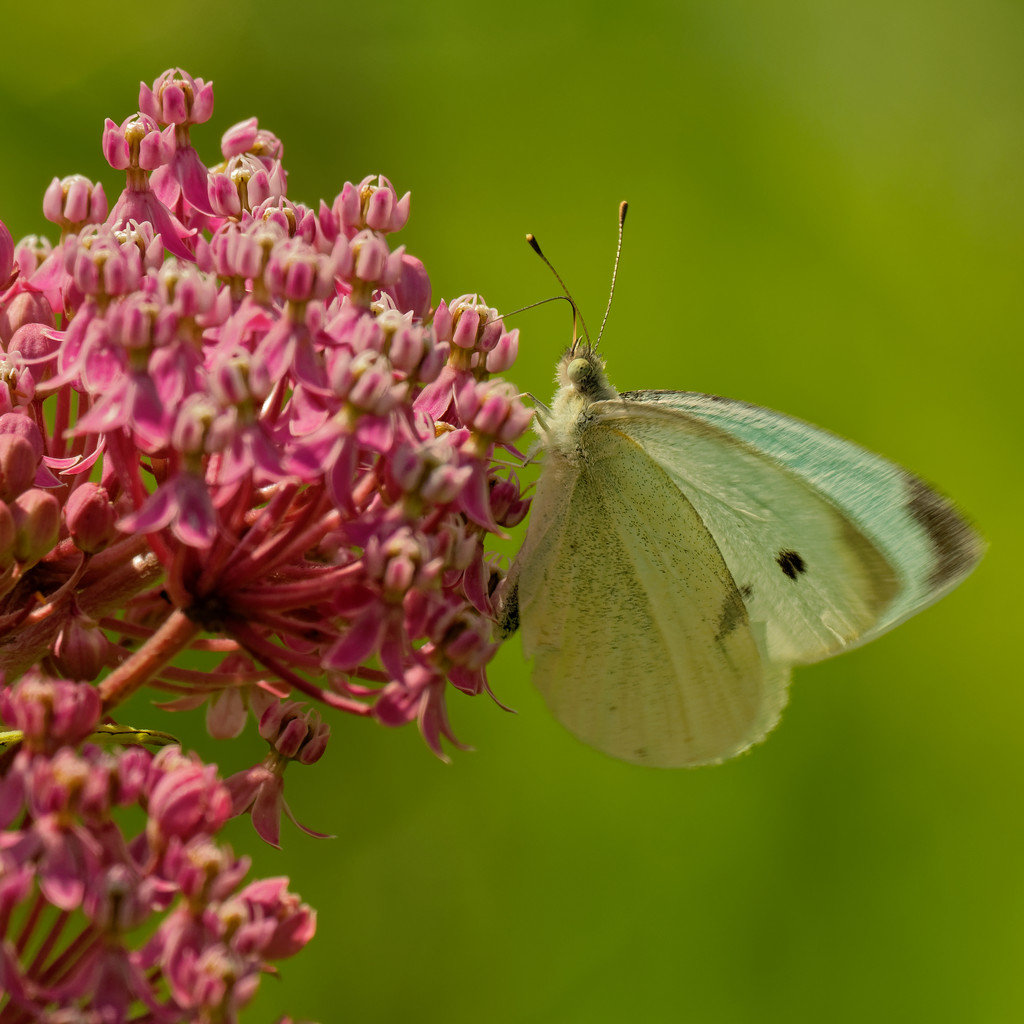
<point x="581" y="374"/>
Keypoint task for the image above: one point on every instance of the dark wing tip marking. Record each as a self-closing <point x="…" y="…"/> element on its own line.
<point x="791" y="563"/>
<point x="957" y="547"/>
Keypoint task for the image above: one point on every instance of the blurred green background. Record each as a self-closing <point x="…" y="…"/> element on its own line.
<point x="826" y="218"/>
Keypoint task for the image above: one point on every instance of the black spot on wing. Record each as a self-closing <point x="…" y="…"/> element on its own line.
<point x="791" y="563"/>
<point x="747" y="591"/>
<point x="956" y="546"/>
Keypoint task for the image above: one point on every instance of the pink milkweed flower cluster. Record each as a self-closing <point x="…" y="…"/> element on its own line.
<point x="236" y="424"/>
<point x="75" y="892"/>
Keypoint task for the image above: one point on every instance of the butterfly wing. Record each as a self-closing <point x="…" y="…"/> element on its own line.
<point x="829" y="544"/>
<point x="642" y="644"/>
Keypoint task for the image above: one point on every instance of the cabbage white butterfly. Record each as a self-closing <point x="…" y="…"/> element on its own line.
<point x="684" y="551"/>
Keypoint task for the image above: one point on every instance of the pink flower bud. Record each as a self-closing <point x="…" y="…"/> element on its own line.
<point x="25" y="309"/>
<point x="371" y="256"/>
<point x="429" y="472"/>
<point x="177" y="98"/>
<point x="188" y="801"/>
<point x="295" y="731"/>
<point x="203" y="870"/>
<point x="372" y="205"/>
<point x="405" y="344"/>
<point x="229" y="380"/>
<point x="20" y="425"/>
<point x="298" y="273"/>
<point x="295" y="922"/>
<point x="442" y="321"/>
<point x="81" y="649"/>
<point x="36" y="524"/>
<point x="475" y="325"/>
<point x="508" y="506"/>
<point x="400" y="562"/>
<point x="248" y="137"/>
<point x="30" y="253"/>
<point x="223" y="195"/>
<point x="492" y="409"/>
<point x="236" y="252"/>
<point x="90" y="517"/>
<point x="411" y="291"/>
<point x="294" y="219"/>
<point x="192" y="424"/>
<point x="115" y="146"/>
<point x="34" y="341"/>
<point x="73" y="202"/>
<point x="137" y="142"/>
<point x="100" y="265"/>
<point x="466" y="323"/>
<point x="365" y="382"/>
<point x="239" y="137"/>
<point x="462" y="638"/>
<point x="18" y="464"/>
<point x="505" y="352"/>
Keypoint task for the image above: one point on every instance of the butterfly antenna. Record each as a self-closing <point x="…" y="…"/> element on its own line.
<point x="534" y="305"/>
<point x="535" y="246"/>
<point x="623" y="207"/>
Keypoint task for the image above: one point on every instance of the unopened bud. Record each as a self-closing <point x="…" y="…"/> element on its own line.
<point x="90" y="518"/>
<point x="37" y="524"/>
<point x="17" y="466"/>
<point x="81" y="649"/>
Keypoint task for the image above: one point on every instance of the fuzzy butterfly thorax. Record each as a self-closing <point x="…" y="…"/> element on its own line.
<point x="581" y="382"/>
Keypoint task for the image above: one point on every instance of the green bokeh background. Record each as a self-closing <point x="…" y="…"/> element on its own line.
<point x="826" y="218"/>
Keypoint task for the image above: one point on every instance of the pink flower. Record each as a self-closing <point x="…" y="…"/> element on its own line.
<point x="173" y="883"/>
<point x="177" y="98"/>
<point x="373" y="204"/>
<point x="295" y="734"/>
<point x="229" y="421"/>
<point x="187" y="798"/>
<point x="137" y="146"/>
<point x="49" y="713"/>
<point x="269" y="437"/>
<point x="73" y="202"/>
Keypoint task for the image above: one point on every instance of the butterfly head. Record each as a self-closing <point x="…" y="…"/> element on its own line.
<point x="581" y="373"/>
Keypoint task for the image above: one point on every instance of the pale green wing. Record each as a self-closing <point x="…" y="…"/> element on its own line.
<point x="829" y="544"/>
<point x="642" y="644"/>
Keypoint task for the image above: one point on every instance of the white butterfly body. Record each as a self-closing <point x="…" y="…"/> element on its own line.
<point x="684" y="551"/>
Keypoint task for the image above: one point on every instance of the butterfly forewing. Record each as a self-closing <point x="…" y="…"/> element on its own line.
<point x="642" y="643"/>
<point x="907" y="544"/>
